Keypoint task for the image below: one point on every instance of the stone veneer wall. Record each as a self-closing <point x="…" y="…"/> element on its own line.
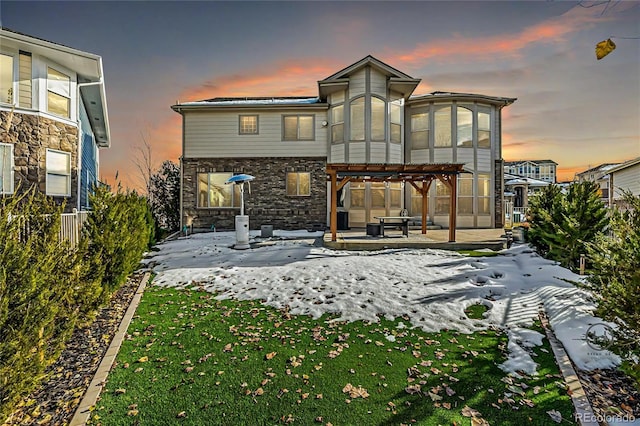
<point x="499" y="188"/>
<point x="268" y="203"/>
<point x="31" y="135"/>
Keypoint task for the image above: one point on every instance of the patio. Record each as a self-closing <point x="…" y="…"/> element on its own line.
<point x="466" y="239"/>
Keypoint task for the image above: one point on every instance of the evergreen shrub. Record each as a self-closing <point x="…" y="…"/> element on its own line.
<point x="48" y="287"/>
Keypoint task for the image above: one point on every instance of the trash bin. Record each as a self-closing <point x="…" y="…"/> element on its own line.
<point x="343" y="221"/>
<point x="266" y="231"/>
<point x="374" y="229"/>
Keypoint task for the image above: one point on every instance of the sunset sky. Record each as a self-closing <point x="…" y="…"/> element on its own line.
<point x="571" y="108"/>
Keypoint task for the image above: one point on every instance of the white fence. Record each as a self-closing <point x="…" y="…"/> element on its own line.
<point x="70" y="226"/>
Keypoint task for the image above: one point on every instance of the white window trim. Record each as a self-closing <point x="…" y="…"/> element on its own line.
<point x="11" y="175"/>
<point x="14" y="65"/>
<point x="68" y="193"/>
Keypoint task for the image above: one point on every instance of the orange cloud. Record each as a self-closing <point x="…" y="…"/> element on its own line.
<point x="294" y="78"/>
<point x="550" y="31"/>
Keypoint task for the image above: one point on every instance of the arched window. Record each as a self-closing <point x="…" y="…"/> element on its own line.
<point x="357" y="119"/>
<point x="378" y="116"/>
<point x="465" y="127"/>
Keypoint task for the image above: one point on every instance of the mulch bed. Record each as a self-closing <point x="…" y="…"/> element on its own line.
<point x="610" y="392"/>
<point x="56" y="400"/>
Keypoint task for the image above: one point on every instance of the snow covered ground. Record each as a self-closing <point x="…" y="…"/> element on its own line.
<point x="431" y="287"/>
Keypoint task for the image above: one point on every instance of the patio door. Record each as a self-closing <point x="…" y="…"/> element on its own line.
<point x="370" y="199"/>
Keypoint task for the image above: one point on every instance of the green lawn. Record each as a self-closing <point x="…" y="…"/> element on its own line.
<point x="191" y="359"/>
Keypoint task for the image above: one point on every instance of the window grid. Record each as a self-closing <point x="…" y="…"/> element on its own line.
<point x="214" y="193"/>
<point x="248" y="125"/>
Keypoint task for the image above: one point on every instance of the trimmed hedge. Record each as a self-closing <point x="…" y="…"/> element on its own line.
<point x="47" y="288"/>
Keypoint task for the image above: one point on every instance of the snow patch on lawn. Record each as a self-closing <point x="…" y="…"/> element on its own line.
<point x="430" y="287"/>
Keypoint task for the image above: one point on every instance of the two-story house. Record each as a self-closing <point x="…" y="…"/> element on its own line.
<point x="53" y="118"/>
<point x="365" y="113"/>
<point x="544" y="170"/>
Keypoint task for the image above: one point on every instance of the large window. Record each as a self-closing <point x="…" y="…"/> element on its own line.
<point x="299" y="184"/>
<point x="378" y="115"/>
<point x="465" y="193"/>
<point x="337" y="124"/>
<point x="420" y="131"/>
<point x="248" y="125"/>
<point x="58" y="173"/>
<point x="357" y="119"/>
<point x="213" y="192"/>
<point x="395" y="117"/>
<point x="484" y="193"/>
<point x="58" y="93"/>
<point x="377" y="190"/>
<point x="6" y="168"/>
<point x="356" y="190"/>
<point x="6" y="79"/>
<point x="298" y="127"/>
<point x="442" y="126"/>
<point x="443" y="195"/>
<point x="465" y="126"/>
<point x="484" y="130"/>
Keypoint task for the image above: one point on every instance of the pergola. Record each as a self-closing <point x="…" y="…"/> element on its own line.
<point x="420" y="176"/>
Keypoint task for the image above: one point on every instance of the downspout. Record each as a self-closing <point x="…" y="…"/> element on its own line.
<point x="79" y="156"/>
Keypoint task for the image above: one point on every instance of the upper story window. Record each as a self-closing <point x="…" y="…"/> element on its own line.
<point x="357" y="119"/>
<point x="378" y="115"/>
<point x="337" y="124"/>
<point x="58" y="93"/>
<point x="58" y="173"/>
<point x="442" y="131"/>
<point x="298" y="127"/>
<point x="395" y="118"/>
<point x="299" y="184"/>
<point x="420" y="131"/>
<point x="214" y="193"/>
<point x="484" y="130"/>
<point x="248" y="125"/>
<point x="6" y="79"/>
<point x="6" y="168"/>
<point x="465" y="126"/>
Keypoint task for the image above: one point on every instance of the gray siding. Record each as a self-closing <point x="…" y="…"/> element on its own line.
<point x="358" y="83"/>
<point x="215" y="134"/>
<point x="626" y="179"/>
<point x="378" y="83"/>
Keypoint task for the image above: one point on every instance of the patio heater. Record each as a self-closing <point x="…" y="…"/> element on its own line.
<point x="242" y="221"/>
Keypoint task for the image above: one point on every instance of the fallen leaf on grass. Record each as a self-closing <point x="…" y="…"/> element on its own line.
<point x="479" y="421"/>
<point x="270" y="355"/>
<point x="470" y="412"/>
<point x="132" y="413"/>
<point x="434" y="397"/>
<point x="181" y="414"/>
<point x="355" y="392"/>
<point x="556" y="416"/>
<point x="120" y="391"/>
<point x="143" y="359"/>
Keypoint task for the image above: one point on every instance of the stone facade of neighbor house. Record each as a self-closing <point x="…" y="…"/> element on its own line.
<point x="53" y="119"/>
<point x="31" y="137"/>
<point x="365" y="113"/>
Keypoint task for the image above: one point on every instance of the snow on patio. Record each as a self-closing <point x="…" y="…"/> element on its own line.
<point x="431" y="287"/>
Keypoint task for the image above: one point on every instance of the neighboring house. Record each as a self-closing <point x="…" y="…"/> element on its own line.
<point x="624" y="177"/>
<point x="519" y="189"/>
<point x="599" y="175"/>
<point x="365" y="113"/>
<point x="544" y="170"/>
<point x="53" y="116"/>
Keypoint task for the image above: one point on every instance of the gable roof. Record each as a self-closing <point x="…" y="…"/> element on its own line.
<point x="398" y="80"/>
<point x="515" y="163"/>
<point x="624" y="165"/>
